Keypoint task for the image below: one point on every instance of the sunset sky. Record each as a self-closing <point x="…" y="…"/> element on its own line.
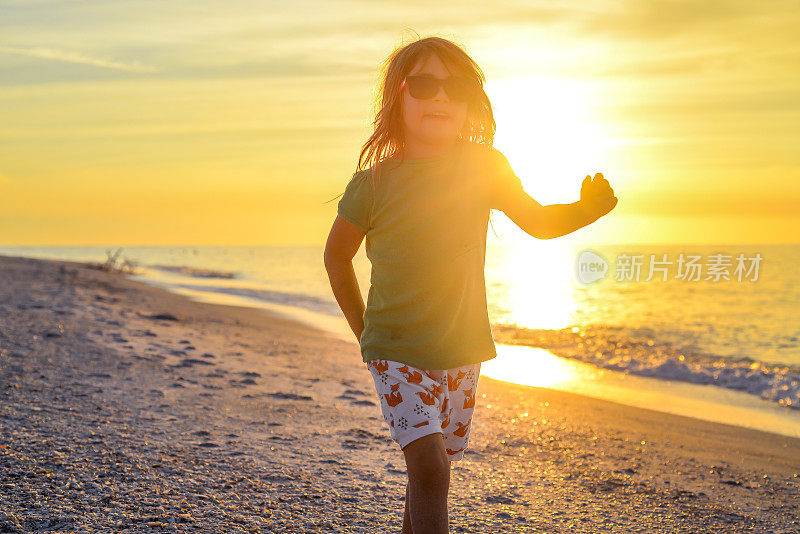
<point x="211" y="123"/>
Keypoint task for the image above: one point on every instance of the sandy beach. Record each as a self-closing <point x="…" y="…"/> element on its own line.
<point x="126" y="408"/>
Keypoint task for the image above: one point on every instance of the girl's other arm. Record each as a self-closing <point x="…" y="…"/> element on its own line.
<point x="556" y="220"/>
<point x="343" y="242"/>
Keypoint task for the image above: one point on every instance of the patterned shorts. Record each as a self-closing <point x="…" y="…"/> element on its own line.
<point x="416" y="402"/>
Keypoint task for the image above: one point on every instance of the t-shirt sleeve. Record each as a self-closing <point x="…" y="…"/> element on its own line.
<point x="505" y="185"/>
<point x="355" y="206"/>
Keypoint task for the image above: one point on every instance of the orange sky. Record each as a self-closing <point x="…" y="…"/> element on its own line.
<point x="201" y="124"/>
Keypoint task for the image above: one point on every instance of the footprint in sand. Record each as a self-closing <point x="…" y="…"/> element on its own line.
<point x="190" y="362"/>
<point x="151" y="357"/>
<point x="289" y="396"/>
<point x="358" y="433"/>
<point x="499" y="499"/>
<point x="159" y="316"/>
<point x="216" y="374"/>
<point x="365" y="435"/>
<point x="281" y="438"/>
<point x="360" y="438"/>
<point x="143" y="333"/>
<point x="391" y="468"/>
<point x="349" y="395"/>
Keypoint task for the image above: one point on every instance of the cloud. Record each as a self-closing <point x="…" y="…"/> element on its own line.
<point x="75" y="57"/>
<point x="705" y="203"/>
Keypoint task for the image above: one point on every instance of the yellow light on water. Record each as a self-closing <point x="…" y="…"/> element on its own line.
<point x="529" y="366"/>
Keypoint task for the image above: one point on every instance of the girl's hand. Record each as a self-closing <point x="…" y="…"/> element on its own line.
<point x="597" y="197"/>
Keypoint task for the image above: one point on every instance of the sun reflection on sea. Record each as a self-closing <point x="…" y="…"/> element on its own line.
<point x="533" y="286"/>
<point x="532" y="367"/>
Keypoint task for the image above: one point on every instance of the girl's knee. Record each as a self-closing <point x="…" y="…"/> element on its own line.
<point x="427" y="461"/>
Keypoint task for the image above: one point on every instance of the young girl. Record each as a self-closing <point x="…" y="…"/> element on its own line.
<point x="424" y="205"/>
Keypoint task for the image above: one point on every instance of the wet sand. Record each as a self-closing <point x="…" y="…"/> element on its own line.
<point x="127" y="408"/>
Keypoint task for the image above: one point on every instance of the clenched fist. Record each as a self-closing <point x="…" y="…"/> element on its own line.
<point x="597" y="197"/>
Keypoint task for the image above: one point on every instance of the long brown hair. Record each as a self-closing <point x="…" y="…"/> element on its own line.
<point x="387" y="141"/>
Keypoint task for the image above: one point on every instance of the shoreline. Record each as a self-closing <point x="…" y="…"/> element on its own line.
<point x="592" y="378"/>
<point x="268" y="423"/>
<point x="631" y="370"/>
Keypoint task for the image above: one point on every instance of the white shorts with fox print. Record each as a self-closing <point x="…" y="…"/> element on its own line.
<point x="416" y="402"/>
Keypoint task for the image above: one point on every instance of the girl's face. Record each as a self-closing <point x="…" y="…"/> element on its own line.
<point x="420" y="127"/>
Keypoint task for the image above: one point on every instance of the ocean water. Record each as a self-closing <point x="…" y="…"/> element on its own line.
<point x="712" y="324"/>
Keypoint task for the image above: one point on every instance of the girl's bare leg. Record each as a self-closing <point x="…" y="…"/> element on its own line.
<point x="428" y="485"/>
<point x="406" y="517"/>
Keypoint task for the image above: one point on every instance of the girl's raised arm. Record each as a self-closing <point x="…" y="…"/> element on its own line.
<point x="554" y="220"/>
<point x="551" y="221"/>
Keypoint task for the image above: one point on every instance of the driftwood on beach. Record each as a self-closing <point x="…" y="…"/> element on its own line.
<point x="113" y="263"/>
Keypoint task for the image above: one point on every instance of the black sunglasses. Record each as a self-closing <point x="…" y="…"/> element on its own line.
<point x="457" y="88"/>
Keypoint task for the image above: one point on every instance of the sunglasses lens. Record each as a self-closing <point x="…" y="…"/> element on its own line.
<point x="422" y="88"/>
<point x="457" y="89"/>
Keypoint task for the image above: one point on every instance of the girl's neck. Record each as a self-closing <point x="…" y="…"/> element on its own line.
<point x="417" y="150"/>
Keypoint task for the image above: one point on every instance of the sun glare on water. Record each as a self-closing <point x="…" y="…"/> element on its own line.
<point x="529" y="366"/>
<point x="549" y="129"/>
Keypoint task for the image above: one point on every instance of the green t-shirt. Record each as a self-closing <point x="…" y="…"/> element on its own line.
<point x="426" y="223"/>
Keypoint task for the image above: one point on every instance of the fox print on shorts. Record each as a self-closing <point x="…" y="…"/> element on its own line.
<point x="416" y="402"/>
